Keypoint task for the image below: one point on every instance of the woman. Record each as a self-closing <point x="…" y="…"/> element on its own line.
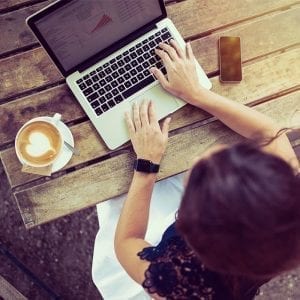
<point x="239" y="219"/>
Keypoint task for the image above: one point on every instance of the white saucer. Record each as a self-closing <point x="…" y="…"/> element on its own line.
<point x="66" y="154"/>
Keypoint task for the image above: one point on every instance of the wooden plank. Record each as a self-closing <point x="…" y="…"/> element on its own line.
<point x="44" y="103"/>
<point x="194" y="16"/>
<point x="109" y="178"/>
<point x="261" y="80"/>
<point x="33" y="69"/>
<point x="11" y="4"/>
<point x="14" y="32"/>
<point x="9" y="292"/>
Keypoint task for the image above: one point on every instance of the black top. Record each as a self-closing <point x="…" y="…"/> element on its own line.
<point x="175" y="272"/>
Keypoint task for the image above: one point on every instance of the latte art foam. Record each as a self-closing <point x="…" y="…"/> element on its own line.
<point x="39" y="143"/>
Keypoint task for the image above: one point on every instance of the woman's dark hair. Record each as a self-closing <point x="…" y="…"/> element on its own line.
<point x="241" y="212"/>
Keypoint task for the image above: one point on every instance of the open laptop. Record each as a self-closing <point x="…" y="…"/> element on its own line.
<point x="105" y="49"/>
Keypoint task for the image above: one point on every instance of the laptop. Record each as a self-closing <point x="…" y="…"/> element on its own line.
<point x="104" y="49"/>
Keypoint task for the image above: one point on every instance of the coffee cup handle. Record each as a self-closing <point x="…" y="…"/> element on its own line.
<point x="56" y="118"/>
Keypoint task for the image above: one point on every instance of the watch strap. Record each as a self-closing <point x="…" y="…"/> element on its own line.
<point x="145" y="166"/>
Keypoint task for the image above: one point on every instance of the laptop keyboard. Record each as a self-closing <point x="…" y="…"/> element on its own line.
<point x="124" y="75"/>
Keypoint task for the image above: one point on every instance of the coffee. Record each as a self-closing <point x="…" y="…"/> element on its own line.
<point x="39" y="143"/>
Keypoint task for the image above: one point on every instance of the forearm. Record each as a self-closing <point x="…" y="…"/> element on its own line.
<point x="240" y="118"/>
<point x="135" y="212"/>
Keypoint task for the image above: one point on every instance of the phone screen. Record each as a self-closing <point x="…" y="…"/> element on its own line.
<point x="230" y="59"/>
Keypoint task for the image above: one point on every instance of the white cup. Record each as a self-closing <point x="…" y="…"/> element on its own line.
<point x="39" y="148"/>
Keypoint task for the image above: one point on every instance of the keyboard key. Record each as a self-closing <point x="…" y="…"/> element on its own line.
<point x="166" y="36"/>
<point x="146" y="48"/>
<point x="93" y="73"/>
<point x="119" y="57"/>
<point x="101" y="74"/>
<point x="92" y="97"/>
<point x="105" y="107"/>
<point x="108" y="87"/>
<point x="86" y="77"/>
<point x="146" y="55"/>
<point x="126" y="53"/>
<point x="140" y="76"/>
<point x="164" y="71"/>
<point x="128" y="84"/>
<point x="88" y="91"/>
<point x="140" y="59"/>
<point x="112" y="61"/>
<point x="146" y="73"/>
<point x="133" y="72"/>
<point x="120" y="80"/>
<point x="96" y="86"/>
<point x="121" y="63"/>
<point x="146" y="65"/>
<point x="132" y="49"/>
<point x="105" y="65"/>
<point x="95" y="104"/>
<point x="111" y="103"/>
<point x="152" y="44"/>
<point x="114" y="67"/>
<point x="89" y="82"/>
<point x="152" y="61"/>
<point x="128" y="67"/>
<point x="79" y="81"/>
<point x="127" y="59"/>
<point x="159" y="65"/>
<point x="82" y="86"/>
<point x="102" y="100"/>
<point x="114" y="84"/>
<point x="145" y="41"/>
<point x="127" y="76"/>
<point x="115" y="74"/>
<point x="151" y="37"/>
<point x="115" y="92"/>
<point x="158" y="40"/>
<point x="95" y="78"/>
<point x="108" y="70"/>
<point x="157" y="33"/>
<point x="118" y="99"/>
<point x="102" y="82"/>
<point x="137" y="87"/>
<point x="134" y="80"/>
<point x="101" y="92"/>
<point x="164" y="29"/>
<point x="99" y="69"/>
<point x="134" y="63"/>
<point x="108" y="96"/>
<point x="139" y="68"/>
<point x="139" y="51"/>
<point x="133" y="55"/>
<point x="121" y="71"/>
<point x="121" y="88"/>
<point x="108" y="78"/>
<point x="138" y="45"/>
<point x="98" y="111"/>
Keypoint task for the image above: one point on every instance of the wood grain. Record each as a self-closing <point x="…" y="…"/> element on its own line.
<point x="96" y="183"/>
<point x="60" y="98"/>
<point x="261" y="80"/>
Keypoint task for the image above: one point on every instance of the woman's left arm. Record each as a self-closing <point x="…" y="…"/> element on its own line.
<point x="149" y="142"/>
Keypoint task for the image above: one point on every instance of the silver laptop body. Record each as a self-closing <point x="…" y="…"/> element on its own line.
<point x="105" y="103"/>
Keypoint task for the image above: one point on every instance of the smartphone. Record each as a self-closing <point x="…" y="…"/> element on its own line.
<point x="230" y="59"/>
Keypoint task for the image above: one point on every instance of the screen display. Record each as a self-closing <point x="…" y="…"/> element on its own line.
<point x="230" y="59"/>
<point x="82" y="28"/>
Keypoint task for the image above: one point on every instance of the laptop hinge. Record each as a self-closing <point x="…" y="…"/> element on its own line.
<point x="116" y="46"/>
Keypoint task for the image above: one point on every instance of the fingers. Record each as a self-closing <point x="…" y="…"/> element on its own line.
<point x="170" y="50"/>
<point x="136" y="117"/>
<point x="160" y="77"/>
<point x="130" y="124"/>
<point x="144" y="113"/>
<point x="165" y="127"/>
<point x="178" y="49"/>
<point x="164" y="57"/>
<point x="189" y="51"/>
<point x="152" y="114"/>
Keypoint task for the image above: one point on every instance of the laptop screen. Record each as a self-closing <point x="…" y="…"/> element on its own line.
<point x="80" y="29"/>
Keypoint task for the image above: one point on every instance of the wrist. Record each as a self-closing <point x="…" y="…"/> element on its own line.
<point x="195" y="97"/>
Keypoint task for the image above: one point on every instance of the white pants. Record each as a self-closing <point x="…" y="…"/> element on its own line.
<point x="108" y="275"/>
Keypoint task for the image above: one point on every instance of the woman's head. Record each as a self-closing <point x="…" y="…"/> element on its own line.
<point x="241" y="212"/>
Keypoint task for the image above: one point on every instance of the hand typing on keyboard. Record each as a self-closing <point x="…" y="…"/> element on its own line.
<point x="180" y="64"/>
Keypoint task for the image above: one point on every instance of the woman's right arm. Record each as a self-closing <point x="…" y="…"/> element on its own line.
<point x="183" y="82"/>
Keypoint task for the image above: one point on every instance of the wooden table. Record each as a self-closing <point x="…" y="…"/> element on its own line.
<point x="31" y="86"/>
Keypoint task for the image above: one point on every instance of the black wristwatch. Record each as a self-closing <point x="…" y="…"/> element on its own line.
<point x="145" y="166"/>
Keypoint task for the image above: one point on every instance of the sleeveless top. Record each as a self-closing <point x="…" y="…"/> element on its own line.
<point x="175" y="272"/>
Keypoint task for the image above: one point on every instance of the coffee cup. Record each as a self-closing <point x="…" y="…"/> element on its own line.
<point x="39" y="142"/>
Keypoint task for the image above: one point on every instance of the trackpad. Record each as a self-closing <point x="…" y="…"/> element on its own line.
<point x="164" y="103"/>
